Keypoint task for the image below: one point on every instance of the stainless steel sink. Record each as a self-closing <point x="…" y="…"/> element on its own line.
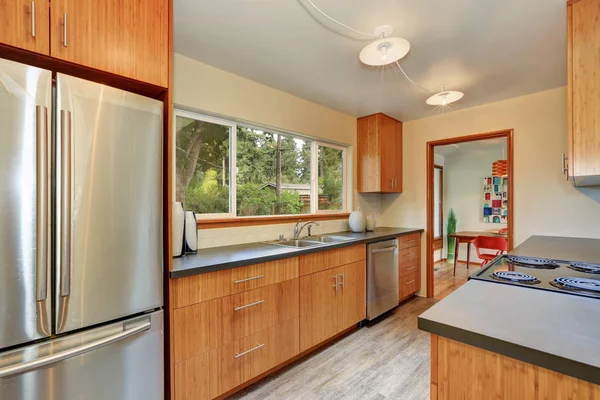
<point x="297" y="243"/>
<point x="333" y="239"/>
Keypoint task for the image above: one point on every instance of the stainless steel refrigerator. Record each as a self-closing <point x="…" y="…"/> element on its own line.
<point x="80" y="239"/>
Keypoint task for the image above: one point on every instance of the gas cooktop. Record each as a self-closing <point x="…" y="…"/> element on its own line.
<point x="576" y="278"/>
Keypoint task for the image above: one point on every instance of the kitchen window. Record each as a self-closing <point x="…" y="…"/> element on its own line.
<point x="226" y="169"/>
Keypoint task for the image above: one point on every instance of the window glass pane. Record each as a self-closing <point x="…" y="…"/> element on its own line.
<point x="331" y="178"/>
<point x="273" y="173"/>
<point x="202" y="165"/>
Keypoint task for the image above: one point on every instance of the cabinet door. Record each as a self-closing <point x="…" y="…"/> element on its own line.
<point x="398" y="156"/>
<point x="585" y="53"/>
<point x="352" y="297"/>
<point x="124" y="37"/>
<point x="386" y="138"/>
<point x="318" y="308"/>
<point x="25" y="25"/>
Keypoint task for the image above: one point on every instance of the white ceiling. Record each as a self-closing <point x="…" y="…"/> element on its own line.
<point x="470" y="148"/>
<point x="489" y="49"/>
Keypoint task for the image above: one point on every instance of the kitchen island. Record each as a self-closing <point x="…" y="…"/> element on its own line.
<point x="492" y="340"/>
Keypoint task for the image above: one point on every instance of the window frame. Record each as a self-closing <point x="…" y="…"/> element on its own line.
<point x="232" y="157"/>
<point x="233" y="124"/>
<point x="314" y="170"/>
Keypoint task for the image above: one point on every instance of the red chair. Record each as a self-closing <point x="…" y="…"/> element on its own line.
<point x="497" y="243"/>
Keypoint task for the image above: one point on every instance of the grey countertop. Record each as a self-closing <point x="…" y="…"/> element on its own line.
<point x="557" y="331"/>
<point x="219" y="258"/>
<point x="560" y="248"/>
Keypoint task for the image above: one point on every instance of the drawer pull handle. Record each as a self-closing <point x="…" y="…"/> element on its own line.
<point x="65" y="29"/>
<point x="238" y="355"/>
<point x="248" y="279"/>
<point x="411" y="241"/>
<point x="248" y="305"/>
<point x="342" y="280"/>
<point x="411" y="268"/>
<point x="32" y="18"/>
<point x="409" y="282"/>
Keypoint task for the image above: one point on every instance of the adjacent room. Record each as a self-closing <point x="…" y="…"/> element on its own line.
<point x="299" y="200"/>
<point x="470" y="184"/>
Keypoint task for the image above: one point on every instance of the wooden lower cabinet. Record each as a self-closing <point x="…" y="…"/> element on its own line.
<point x="409" y="265"/>
<point x="318" y="308"/>
<point x="408" y="285"/>
<point x="462" y="371"/>
<point x="215" y="372"/>
<point x="211" y="324"/>
<point x="330" y="302"/>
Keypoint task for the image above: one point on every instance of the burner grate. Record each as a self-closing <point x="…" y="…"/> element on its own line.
<point x="531" y="262"/>
<point x="513" y="276"/>
<point x="577" y="284"/>
<point x="585" y="267"/>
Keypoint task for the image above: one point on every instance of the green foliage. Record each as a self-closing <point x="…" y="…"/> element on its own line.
<point x="206" y="195"/>
<point x="331" y="178"/>
<point x="202" y="167"/>
<point x="451" y="229"/>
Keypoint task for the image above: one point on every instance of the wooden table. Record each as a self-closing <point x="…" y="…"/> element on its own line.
<point x="468" y="237"/>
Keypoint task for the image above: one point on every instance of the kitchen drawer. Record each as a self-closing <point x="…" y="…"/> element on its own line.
<point x="220" y="370"/>
<point x="322" y="260"/>
<point x="409" y="267"/>
<point x="406" y="241"/>
<point x="409" y="254"/>
<point x="408" y="285"/>
<point x="202" y="327"/>
<point x="212" y="285"/>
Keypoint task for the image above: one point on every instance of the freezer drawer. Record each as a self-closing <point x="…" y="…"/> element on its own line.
<point x="109" y="204"/>
<point x="25" y="292"/>
<point x="120" y="361"/>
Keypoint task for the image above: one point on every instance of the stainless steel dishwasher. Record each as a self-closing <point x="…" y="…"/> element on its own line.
<point x="382" y="277"/>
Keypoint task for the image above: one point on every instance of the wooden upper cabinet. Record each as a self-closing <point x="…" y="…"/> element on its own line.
<point x="24" y="24"/>
<point x="583" y="69"/>
<point x="379" y="150"/>
<point x="124" y="37"/>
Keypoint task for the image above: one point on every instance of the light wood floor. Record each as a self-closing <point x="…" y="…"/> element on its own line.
<point x="387" y="359"/>
<point x="443" y="281"/>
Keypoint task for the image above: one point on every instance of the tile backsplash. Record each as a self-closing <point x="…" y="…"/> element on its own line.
<point x="370" y="204"/>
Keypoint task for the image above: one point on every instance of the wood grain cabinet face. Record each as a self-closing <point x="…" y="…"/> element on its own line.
<point x="25" y="24"/>
<point x="318" y="308"/>
<point x="330" y="302"/>
<point x="583" y="37"/>
<point x="211" y="324"/>
<point x="379" y="150"/>
<point x="124" y="37"/>
<point x="215" y="372"/>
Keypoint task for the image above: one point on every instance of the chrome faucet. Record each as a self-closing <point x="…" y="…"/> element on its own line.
<point x="298" y="228"/>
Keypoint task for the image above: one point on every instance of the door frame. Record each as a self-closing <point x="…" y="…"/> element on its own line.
<point x="441" y="238"/>
<point x="506" y="133"/>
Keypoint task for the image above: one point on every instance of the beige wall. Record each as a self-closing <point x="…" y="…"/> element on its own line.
<point x="203" y="88"/>
<point x="545" y="203"/>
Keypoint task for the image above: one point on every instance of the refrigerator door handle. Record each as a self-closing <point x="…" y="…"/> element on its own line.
<point x="20" y="368"/>
<point x="65" y="248"/>
<point x="41" y="125"/>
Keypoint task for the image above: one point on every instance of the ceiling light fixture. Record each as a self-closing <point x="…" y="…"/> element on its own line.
<point x="444" y="97"/>
<point x="385" y="50"/>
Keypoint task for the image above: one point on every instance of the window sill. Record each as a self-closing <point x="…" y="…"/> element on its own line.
<point x="267" y="220"/>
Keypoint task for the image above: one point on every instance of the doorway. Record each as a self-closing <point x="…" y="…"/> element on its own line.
<point x="458" y="189"/>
